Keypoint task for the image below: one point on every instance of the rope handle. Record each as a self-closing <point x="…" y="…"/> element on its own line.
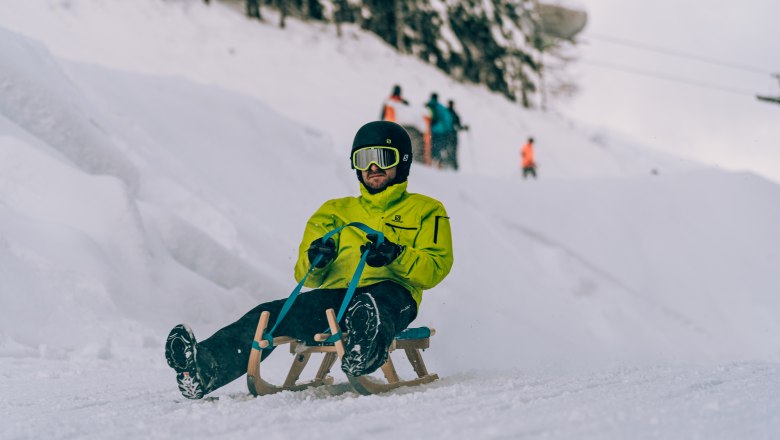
<point x="268" y="336"/>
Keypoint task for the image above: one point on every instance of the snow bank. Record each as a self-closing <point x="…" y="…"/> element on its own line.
<point x="40" y="99"/>
<point x="617" y="254"/>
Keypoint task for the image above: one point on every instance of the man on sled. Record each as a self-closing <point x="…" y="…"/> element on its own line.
<point x="411" y="251"/>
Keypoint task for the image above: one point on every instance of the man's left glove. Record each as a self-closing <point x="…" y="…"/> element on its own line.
<point x="380" y="255"/>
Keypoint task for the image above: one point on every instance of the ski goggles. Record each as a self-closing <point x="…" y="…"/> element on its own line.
<point x="383" y="157"/>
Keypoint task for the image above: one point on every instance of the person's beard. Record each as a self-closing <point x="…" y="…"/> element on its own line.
<point x="370" y="189"/>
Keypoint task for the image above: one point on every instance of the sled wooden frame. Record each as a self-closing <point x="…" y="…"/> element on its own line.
<point x="364" y="385"/>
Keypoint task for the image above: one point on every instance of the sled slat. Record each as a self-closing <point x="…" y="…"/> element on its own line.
<point x="278" y="340"/>
<point x="327" y="364"/>
<point x="421" y="344"/>
<point x="415" y="358"/>
<point x="389" y="371"/>
<point x="322" y="337"/>
<point x="297" y="367"/>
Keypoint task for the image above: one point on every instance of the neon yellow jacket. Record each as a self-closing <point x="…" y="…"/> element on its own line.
<point x="415" y="221"/>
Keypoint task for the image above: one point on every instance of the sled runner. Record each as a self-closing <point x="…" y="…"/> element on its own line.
<point x="411" y="340"/>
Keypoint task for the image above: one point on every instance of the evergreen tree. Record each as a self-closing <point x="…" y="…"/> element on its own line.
<point x="493" y="42"/>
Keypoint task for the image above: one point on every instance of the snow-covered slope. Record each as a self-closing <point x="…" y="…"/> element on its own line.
<point x="149" y="176"/>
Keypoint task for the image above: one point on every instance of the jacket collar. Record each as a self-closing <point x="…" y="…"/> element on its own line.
<point x="382" y="200"/>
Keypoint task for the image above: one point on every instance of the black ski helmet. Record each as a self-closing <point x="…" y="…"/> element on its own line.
<point x="385" y="133"/>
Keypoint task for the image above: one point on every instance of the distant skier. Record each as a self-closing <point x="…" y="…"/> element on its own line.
<point x="441" y="125"/>
<point x="527" y="159"/>
<point x="415" y="255"/>
<point x="390" y="108"/>
<point x="253" y="9"/>
<point x="451" y="156"/>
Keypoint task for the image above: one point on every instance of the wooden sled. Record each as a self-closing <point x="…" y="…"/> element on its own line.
<point x="410" y="340"/>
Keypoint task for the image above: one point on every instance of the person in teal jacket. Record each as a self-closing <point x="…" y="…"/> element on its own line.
<point x="441" y="126"/>
<point x="415" y="255"/>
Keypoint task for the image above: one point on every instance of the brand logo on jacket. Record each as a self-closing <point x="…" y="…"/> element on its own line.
<point x="397" y="218"/>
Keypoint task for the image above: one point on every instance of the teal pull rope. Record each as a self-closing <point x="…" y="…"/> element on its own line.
<point x="359" y="270"/>
<point x="352" y="286"/>
<point x="268" y="336"/>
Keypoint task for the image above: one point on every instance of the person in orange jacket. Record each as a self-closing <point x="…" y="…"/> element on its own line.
<point x="390" y="106"/>
<point x="527" y="156"/>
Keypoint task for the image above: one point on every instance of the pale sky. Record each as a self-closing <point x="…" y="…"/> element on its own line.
<point x="731" y="129"/>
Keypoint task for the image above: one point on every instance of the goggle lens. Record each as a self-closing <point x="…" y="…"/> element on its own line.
<point x="383" y="157"/>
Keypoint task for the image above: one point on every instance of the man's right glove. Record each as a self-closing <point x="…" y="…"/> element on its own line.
<point x="327" y="250"/>
<point x="380" y="255"/>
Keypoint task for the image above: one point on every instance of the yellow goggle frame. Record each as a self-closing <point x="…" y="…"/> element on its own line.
<point x="384" y="157"/>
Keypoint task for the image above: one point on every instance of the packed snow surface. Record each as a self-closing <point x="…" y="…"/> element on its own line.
<point x="158" y="163"/>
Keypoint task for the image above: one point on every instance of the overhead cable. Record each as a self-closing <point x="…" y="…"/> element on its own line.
<point x="677" y="53"/>
<point x="687" y="81"/>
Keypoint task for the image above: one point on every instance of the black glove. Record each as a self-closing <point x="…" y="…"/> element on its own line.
<point x="381" y="255"/>
<point x="327" y="250"/>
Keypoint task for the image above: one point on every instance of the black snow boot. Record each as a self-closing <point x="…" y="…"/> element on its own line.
<point x="364" y="351"/>
<point x="181" y="352"/>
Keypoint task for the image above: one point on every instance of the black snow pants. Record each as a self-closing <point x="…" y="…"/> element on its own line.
<point x="224" y="356"/>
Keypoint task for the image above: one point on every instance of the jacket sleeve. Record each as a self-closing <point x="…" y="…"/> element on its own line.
<point x="430" y="258"/>
<point x="320" y="223"/>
